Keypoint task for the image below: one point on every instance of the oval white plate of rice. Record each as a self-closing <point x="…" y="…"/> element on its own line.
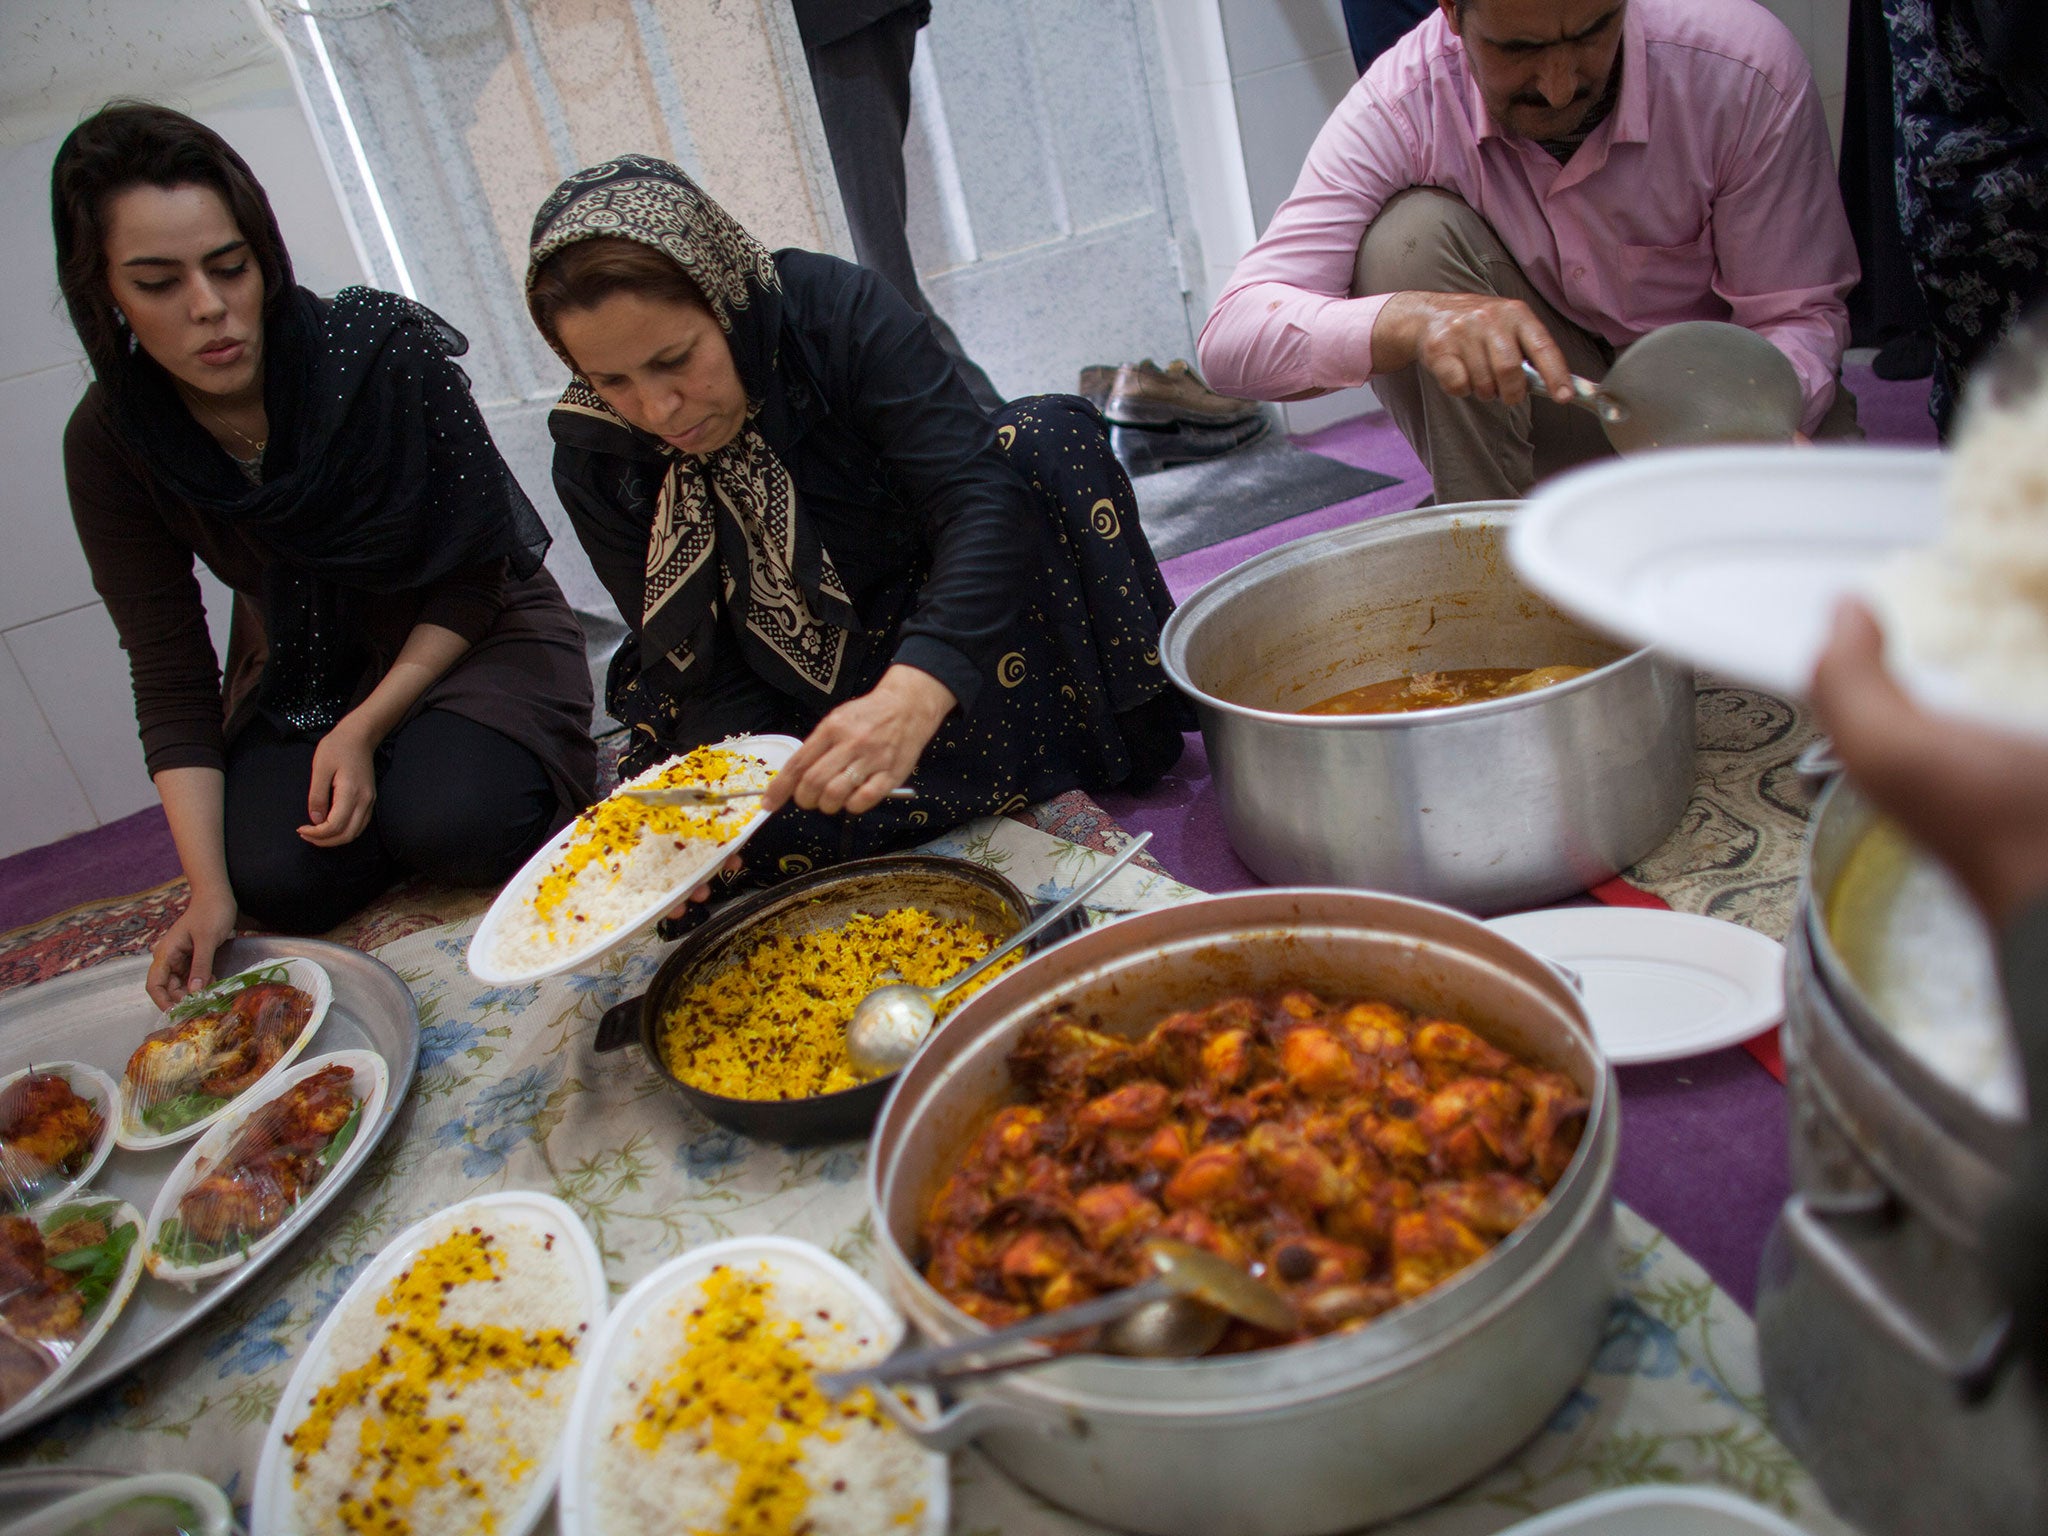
<point x="699" y="1402"/>
<point x="436" y="1390"/>
<point x="180" y="1251"/>
<point x="623" y="864"/>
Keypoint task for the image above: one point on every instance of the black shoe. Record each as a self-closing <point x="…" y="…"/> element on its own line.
<point x="1910" y="356"/>
<point x="1144" y="450"/>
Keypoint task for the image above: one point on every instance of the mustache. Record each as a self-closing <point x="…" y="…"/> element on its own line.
<point x="1532" y="99"/>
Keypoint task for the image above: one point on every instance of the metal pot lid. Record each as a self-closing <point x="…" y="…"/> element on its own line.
<point x="1660" y="985"/>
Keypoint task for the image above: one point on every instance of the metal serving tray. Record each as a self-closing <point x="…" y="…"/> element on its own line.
<point x="99" y="1016"/>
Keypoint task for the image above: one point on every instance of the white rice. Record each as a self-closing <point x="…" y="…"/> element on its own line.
<point x="872" y="1479"/>
<point x="1975" y="605"/>
<point x="510" y="1421"/>
<point x="615" y="888"/>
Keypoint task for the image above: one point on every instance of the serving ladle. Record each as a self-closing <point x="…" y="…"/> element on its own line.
<point x="1179" y="1313"/>
<point x="892" y="1021"/>
<point x="1690" y="385"/>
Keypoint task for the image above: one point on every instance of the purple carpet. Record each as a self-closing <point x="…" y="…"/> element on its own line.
<point x="1703" y="1141"/>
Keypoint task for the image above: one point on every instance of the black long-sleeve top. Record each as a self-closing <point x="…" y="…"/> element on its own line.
<point x="894" y="464"/>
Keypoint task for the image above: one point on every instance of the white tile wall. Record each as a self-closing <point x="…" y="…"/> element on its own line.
<point x="42" y="800"/>
<point x="44" y="571"/>
<point x="74" y="666"/>
<point x="1269" y="34"/>
<point x="37" y="333"/>
<point x="1279" y="113"/>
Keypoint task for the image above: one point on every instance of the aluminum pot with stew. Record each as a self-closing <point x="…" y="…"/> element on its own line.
<point x="1488" y="806"/>
<point x="1318" y="1436"/>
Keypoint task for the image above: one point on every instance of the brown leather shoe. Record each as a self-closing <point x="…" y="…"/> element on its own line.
<point x="1096" y="382"/>
<point x="1146" y="395"/>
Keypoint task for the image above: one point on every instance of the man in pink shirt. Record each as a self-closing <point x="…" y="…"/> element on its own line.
<point x="1549" y="180"/>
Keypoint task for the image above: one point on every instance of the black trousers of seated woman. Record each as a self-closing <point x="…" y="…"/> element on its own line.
<point x="456" y="801"/>
<point x="1078" y="698"/>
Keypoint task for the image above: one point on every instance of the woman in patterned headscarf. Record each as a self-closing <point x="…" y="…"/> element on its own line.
<point x="810" y="528"/>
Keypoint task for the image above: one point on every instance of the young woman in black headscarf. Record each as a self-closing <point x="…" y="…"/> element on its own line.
<point x="405" y="690"/>
<point x="811" y="528"/>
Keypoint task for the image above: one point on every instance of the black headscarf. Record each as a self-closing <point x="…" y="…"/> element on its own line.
<point x="728" y="532"/>
<point x="378" y="476"/>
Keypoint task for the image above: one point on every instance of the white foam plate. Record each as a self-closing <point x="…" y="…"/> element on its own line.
<point x="110" y="1308"/>
<point x="272" y="1511"/>
<point x="304" y="974"/>
<point x="1732" y="559"/>
<point x="590" y="1419"/>
<point x="507" y="909"/>
<point x="372" y="1083"/>
<point x="1662" y="1510"/>
<point x="1660" y="985"/>
<point x="93" y="1085"/>
<point x="197" y="1507"/>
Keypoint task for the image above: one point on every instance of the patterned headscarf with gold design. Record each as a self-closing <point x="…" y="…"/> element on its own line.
<point x="727" y="532"/>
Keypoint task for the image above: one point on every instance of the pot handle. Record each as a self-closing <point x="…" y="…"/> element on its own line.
<point x="1974" y="1374"/>
<point x="620" y="1025"/>
<point x="952" y="1427"/>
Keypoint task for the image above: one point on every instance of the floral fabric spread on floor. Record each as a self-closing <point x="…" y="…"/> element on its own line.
<point x="510" y="1095"/>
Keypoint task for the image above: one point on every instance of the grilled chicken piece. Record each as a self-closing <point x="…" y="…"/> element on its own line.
<point x="46" y="1128"/>
<point x="272" y="1162"/>
<point x="221" y="1053"/>
<point x="37" y="1301"/>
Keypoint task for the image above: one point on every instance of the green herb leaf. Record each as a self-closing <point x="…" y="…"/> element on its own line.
<point x="175" y="1114"/>
<point x="332" y="1154"/>
<point x="217" y="998"/>
<point x="99" y="1266"/>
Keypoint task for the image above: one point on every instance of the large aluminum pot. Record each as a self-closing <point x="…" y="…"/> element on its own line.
<point x="1315" y="1437"/>
<point x="1885" y="1346"/>
<point x="1488" y="807"/>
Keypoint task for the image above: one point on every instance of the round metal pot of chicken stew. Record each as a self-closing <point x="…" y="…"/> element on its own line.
<point x="1887" y="1350"/>
<point x="1316" y="1436"/>
<point x="1489" y="806"/>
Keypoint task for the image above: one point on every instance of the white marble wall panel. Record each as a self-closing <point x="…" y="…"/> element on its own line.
<point x="36" y="333"/>
<point x="1279" y="113"/>
<point x="1268" y="34"/>
<point x="74" y="665"/>
<point x="43" y="800"/>
<point x="44" y="572"/>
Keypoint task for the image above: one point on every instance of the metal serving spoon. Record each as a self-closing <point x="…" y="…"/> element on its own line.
<point x="1691" y="384"/>
<point x="1179" y="1313"/>
<point x="691" y="794"/>
<point x="892" y="1021"/>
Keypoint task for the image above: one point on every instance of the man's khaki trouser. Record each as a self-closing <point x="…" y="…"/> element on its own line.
<point x="1481" y="450"/>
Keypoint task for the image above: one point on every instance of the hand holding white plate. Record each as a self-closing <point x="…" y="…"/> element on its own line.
<point x="572" y="901"/>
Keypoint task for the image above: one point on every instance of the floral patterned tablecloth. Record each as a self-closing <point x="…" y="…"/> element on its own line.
<point x="510" y="1095"/>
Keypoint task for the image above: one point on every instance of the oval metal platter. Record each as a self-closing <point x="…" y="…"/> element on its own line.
<point x="99" y="1015"/>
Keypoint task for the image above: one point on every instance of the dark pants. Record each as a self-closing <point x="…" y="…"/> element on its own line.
<point x="1374" y="26"/>
<point x="862" y="83"/>
<point x="456" y="801"/>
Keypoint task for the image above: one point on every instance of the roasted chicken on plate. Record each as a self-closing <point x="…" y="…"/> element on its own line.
<point x="43" y="1308"/>
<point x="215" y="1056"/>
<point x="1352" y="1154"/>
<point x="47" y="1134"/>
<point x="275" y="1158"/>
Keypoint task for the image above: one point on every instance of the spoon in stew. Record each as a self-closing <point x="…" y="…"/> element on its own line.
<point x="892" y="1021"/>
<point x="1180" y="1312"/>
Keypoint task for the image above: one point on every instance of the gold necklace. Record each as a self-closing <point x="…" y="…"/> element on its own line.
<point x="255" y="444"/>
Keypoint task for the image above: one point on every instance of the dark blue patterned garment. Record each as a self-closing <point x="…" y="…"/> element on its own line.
<point x="1972" y="183"/>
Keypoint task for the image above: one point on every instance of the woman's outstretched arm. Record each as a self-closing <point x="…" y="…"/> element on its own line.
<point x="182" y="960"/>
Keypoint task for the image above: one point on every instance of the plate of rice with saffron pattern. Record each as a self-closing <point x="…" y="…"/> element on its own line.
<point x="624" y="863"/>
<point x="699" y="1410"/>
<point x="432" y="1400"/>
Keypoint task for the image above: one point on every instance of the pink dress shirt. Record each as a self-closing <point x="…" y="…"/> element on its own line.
<point x="1708" y="194"/>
